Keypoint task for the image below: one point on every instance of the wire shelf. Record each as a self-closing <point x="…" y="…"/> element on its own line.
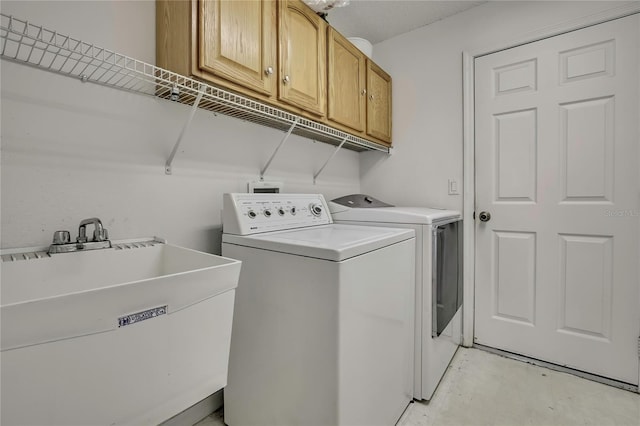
<point x="36" y="46"/>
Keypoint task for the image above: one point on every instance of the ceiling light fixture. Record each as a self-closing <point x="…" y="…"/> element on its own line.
<point x="323" y="6"/>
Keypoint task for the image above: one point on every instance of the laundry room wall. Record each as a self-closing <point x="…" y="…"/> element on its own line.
<point x="426" y="66"/>
<point x="73" y="150"/>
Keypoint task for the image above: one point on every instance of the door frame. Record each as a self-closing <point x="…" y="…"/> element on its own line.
<point x="468" y="134"/>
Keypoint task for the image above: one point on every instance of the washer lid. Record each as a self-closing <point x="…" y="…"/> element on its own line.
<point x="329" y="242"/>
<point x="414" y="215"/>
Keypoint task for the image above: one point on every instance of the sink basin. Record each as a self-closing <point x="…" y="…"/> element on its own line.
<point x="143" y="313"/>
<point x="94" y="288"/>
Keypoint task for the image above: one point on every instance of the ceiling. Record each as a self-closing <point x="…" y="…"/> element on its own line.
<point x="378" y="20"/>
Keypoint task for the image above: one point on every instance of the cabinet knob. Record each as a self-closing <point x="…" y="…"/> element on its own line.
<point x="268" y="71"/>
<point x="286" y="79"/>
<point x="364" y="92"/>
<point x="370" y="97"/>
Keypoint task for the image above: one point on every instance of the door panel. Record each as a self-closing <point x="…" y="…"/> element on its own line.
<point x="557" y="167"/>
<point x="587" y="150"/>
<point x="517" y="77"/>
<point x="515" y="253"/>
<point x="237" y="42"/>
<point x="587" y="62"/>
<point x="516" y="156"/>
<point x="586" y="279"/>
<point x="303" y="44"/>
<point x="379" y="102"/>
<point x="346" y="67"/>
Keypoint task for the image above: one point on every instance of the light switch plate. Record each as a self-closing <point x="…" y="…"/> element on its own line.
<point x="453" y="187"/>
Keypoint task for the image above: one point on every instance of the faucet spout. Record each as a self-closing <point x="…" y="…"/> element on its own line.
<point x="99" y="233"/>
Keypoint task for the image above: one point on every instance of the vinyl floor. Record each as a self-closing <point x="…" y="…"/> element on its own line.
<point x="481" y="388"/>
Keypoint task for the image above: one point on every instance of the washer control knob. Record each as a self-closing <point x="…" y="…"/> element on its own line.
<point x="316" y="209"/>
<point x="281" y="212"/>
<point x="267" y="213"/>
<point x="293" y="211"/>
<point x="252" y="214"/>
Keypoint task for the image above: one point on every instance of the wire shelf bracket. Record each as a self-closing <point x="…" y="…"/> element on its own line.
<point x="333" y="154"/>
<point x="284" y="139"/>
<point x="35" y="46"/>
<point x="192" y="113"/>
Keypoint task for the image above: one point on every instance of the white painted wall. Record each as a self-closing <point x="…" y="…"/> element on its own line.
<point x="426" y="66"/>
<point x="72" y="150"/>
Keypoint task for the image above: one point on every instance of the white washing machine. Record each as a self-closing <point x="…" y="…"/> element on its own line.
<point x="438" y="285"/>
<point x="323" y="318"/>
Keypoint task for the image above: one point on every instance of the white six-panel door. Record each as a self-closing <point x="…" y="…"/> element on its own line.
<point x="557" y="163"/>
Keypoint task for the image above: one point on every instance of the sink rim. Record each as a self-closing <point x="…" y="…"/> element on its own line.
<point x="91" y="310"/>
<point x="226" y="262"/>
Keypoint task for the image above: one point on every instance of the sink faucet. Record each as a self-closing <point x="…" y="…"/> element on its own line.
<point x="99" y="233"/>
<point x="62" y="240"/>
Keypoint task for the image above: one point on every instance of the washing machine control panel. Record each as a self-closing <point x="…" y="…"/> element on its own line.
<point x="245" y="214"/>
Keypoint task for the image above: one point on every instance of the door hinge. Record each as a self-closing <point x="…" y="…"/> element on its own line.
<point x="638" y="346"/>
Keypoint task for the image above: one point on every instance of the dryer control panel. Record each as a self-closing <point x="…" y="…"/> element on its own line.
<point x="246" y="214"/>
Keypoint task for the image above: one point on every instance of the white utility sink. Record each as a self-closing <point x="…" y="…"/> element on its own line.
<point x="127" y="335"/>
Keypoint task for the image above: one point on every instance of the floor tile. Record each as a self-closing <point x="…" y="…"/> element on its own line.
<point x="481" y="388"/>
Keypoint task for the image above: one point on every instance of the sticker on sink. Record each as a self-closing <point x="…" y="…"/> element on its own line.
<point x="141" y="316"/>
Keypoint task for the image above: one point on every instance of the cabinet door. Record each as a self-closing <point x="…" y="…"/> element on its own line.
<point x="302" y="65"/>
<point x="378" y="102"/>
<point x="238" y="42"/>
<point x="346" y="68"/>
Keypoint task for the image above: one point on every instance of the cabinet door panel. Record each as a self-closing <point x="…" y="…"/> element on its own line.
<point x="237" y="41"/>
<point x="302" y="57"/>
<point x="346" y="81"/>
<point x="379" y="102"/>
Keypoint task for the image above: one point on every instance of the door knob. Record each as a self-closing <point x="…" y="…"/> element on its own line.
<point x="484" y="216"/>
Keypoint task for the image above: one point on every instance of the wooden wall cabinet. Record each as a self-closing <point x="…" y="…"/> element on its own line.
<point x="359" y="91"/>
<point x="230" y="43"/>
<point x="346" y="69"/>
<point x="378" y="102"/>
<point x="280" y="52"/>
<point x="237" y="42"/>
<point x="302" y="47"/>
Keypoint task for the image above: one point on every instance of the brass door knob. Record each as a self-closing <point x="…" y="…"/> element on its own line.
<point x="484" y="216"/>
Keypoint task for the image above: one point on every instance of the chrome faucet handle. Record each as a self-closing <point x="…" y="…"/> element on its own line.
<point x="61" y="237"/>
<point x="100" y="234"/>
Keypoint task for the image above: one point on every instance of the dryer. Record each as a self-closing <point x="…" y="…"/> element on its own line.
<point x="438" y="285"/>
<point x="323" y="318"/>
